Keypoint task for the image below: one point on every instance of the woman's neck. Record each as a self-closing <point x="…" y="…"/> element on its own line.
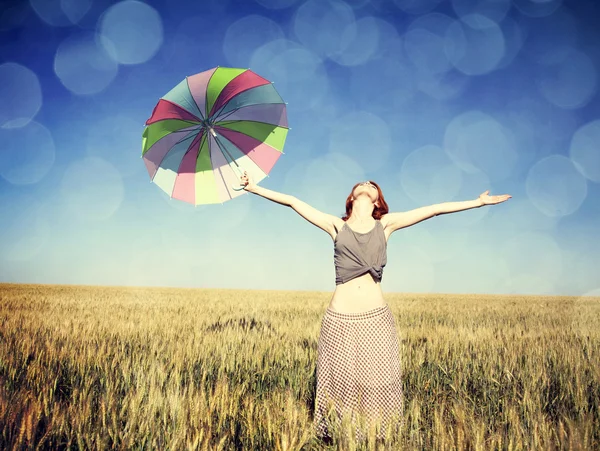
<point x="362" y="211"/>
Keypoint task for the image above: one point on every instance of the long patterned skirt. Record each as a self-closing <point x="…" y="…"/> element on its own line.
<point x="358" y="374"/>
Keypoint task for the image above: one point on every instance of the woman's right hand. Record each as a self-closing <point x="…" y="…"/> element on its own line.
<point x="247" y="182"/>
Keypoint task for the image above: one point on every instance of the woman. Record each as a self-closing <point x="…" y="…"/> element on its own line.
<point x="358" y="363"/>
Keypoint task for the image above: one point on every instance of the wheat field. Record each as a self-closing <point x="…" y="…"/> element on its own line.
<point x="86" y="367"/>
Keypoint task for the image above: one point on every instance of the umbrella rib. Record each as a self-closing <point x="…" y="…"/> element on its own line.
<point x="235" y="121"/>
<point x="189" y="122"/>
<point x="237" y="109"/>
<point x="185" y="137"/>
<point x="220" y="172"/>
<point x="167" y="153"/>
<point x="188" y="150"/>
<point x="176" y="131"/>
<point x="225" y="151"/>
<point x="195" y="103"/>
<point x="206" y="92"/>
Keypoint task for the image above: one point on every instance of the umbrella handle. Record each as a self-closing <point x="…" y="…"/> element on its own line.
<point x="238" y="188"/>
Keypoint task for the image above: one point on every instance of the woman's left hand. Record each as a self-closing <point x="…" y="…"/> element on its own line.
<point x="486" y="199"/>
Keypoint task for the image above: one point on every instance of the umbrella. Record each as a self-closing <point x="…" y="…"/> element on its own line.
<point x="210" y="128"/>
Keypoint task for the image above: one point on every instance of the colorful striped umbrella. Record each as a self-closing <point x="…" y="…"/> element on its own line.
<point x="209" y="129"/>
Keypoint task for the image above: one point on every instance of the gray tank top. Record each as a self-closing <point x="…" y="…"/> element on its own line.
<point x="355" y="253"/>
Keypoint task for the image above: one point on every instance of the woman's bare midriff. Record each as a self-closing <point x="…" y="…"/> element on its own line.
<point x="360" y="294"/>
<point x="357" y="295"/>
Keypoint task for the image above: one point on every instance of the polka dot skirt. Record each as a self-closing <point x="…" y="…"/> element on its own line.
<point x="358" y="374"/>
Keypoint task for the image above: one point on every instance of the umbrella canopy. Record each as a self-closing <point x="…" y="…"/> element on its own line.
<point x="210" y="128"/>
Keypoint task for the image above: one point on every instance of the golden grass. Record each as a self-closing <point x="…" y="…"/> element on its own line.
<point x="150" y="368"/>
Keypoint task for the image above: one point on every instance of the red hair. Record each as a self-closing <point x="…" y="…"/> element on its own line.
<point x="378" y="212"/>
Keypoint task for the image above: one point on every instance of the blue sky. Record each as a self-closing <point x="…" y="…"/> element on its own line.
<point x="435" y="100"/>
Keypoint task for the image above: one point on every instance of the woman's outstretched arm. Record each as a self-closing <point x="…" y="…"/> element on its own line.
<point x="322" y="220"/>
<point x="280" y="198"/>
<point x="395" y="221"/>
